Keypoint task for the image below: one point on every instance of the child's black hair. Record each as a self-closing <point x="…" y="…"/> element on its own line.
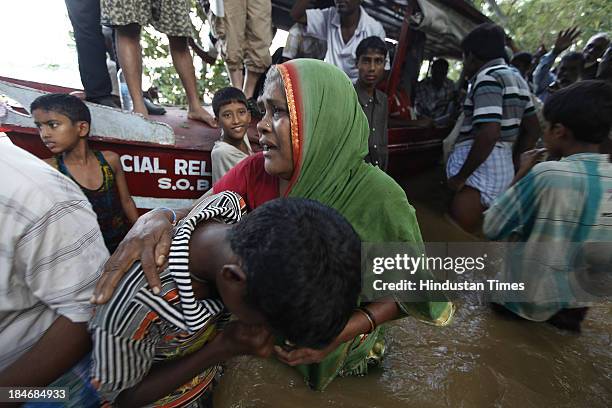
<point x="67" y="105"/>
<point x="226" y="96"/>
<point x="373" y="43"/>
<point x="585" y="108"/>
<point x="302" y="261"/>
<point x="440" y="62"/>
<point x="486" y="42"/>
<point x="522" y="58"/>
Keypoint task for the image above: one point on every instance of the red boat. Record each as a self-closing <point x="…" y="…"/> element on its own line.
<point x="168" y="163"/>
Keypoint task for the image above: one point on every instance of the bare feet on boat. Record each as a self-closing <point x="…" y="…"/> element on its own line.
<point x="203" y="116"/>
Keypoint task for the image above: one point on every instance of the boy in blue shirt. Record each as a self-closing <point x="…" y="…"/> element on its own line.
<point x="565" y="203"/>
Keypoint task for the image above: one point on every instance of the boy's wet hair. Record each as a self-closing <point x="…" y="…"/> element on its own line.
<point x="585" y="108"/>
<point x="225" y="96"/>
<point x="64" y="104"/>
<point x="302" y="261"/>
<point x="373" y="43"/>
<point x="486" y="42"/>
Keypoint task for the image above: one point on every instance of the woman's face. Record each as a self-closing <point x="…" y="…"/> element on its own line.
<point x="275" y="132"/>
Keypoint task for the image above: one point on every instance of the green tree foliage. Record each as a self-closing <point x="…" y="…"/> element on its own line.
<point x="534" y="22"/>
<point x="157" y="65"/>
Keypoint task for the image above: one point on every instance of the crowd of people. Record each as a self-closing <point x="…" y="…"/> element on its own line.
<point x="275" y="242"/>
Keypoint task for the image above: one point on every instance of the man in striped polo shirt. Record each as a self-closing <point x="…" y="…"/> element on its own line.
<point x="499" y="114"/>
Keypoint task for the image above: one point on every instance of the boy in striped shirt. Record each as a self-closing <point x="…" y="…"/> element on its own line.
<point x="291" y="269"/>
<point x="498" y="115"/>
<point x="567" y="205"/>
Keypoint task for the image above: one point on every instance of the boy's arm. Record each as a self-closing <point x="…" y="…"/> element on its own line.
<point x="163" y="378"/>
<point x="127" y="203"/>
<point x="63" y="345"/>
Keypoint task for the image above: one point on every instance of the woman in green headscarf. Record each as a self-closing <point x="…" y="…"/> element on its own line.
<point x="314" y="136"/>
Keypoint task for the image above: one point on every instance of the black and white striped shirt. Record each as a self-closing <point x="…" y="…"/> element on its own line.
<point x="137" y="328"/>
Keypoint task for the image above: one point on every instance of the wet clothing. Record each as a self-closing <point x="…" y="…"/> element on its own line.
<point x="496" y="94"/>
<point x="377" y="111"/>
<point x="224" y="156"/>
<point x="492" y="177"/>
<point x="105" y="201"/>
<point x="136" y="328"/>
<point x="329" y="135"/>
<point x="170" y="17"/>
<point x="566" y="204"/>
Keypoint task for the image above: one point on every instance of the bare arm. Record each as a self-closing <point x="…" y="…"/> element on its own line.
<point x="127" y="203"/>
<point x="382" y="312"/>
<point x="298" y="11"/>
<point x="530" y="132"/>
<point x="236" y="339"/>
<point x="62" y="346"/>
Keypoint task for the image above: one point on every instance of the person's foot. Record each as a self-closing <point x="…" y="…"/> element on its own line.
<point x="108" y="100"/>
<point x="154" y="109"/>
<point x="203" y="116"/>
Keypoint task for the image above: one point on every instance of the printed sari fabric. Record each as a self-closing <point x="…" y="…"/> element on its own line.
<point x="329" y="133"/>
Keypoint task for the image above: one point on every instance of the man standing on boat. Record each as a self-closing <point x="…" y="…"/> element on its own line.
<point x="91" y="50"/>
<point x="343" y="27"/>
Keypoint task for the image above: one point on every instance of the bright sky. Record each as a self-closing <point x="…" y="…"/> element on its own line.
<point x="36" y="43"/>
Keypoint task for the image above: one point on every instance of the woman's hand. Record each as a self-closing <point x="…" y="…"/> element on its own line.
<point x="149" y="240"/>
<point x="304" y="355"/>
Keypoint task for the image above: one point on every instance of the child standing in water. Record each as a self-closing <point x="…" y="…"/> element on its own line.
<point x="64" y="122"/>
<point x="233" y="117"/>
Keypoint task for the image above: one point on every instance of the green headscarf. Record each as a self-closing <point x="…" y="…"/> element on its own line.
<point x="329" y="133"/>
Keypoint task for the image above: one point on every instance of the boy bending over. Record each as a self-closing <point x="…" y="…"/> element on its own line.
<point x="234" y="118"/>
<point x="567" y="201"/>
<point x="290" y="269"/>
<point x="64" y="122"/>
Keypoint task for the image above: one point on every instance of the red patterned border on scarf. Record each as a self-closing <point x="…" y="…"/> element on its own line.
<point x="289" y="75"/>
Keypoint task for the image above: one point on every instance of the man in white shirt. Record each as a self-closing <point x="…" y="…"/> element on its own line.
<point x="51" y="249"/>
<point x="343" y="27"/>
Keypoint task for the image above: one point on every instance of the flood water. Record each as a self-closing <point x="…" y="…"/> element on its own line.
<point x="482" y="359"/>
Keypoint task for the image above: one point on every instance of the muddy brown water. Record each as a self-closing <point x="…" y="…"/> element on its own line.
<point x="482" y="359"/>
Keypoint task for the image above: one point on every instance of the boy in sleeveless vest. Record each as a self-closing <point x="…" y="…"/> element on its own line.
<point x="64" y="122"/>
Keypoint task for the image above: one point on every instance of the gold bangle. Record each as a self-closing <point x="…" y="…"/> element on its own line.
<point x="367" y="315"/>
